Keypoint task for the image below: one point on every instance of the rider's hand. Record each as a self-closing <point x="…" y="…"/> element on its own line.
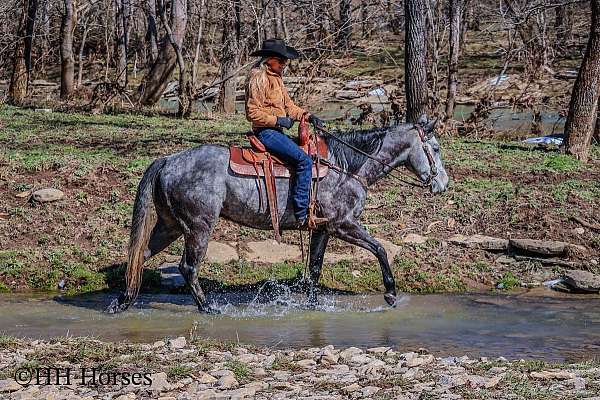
<point x="285" y="122"/>
<point x="316" y="121"/>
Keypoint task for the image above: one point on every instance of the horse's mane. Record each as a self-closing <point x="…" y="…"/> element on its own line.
<point x="369" y="141"/>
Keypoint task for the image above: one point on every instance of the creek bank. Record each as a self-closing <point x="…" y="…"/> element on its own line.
<point x="201" y="369"/>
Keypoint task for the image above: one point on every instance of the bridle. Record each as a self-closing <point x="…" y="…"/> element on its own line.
<point x="412" y="181"/>
<point x="433" y="170"/>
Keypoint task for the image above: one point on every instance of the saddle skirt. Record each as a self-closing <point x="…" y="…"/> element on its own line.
<point x="244" y="160"/>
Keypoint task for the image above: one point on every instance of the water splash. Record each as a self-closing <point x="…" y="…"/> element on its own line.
<point x="276" y="300"/>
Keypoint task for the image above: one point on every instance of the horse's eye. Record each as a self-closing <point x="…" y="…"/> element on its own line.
<point x="436" y="148"/>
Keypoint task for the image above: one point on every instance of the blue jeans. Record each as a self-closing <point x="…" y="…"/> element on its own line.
<point x="284" y="148"/>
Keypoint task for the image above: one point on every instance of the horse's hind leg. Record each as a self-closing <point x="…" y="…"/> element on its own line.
<point x="318" y="244"/>
<point x="196" y="243"/>
<point x="352" y="232"/>
<point x="163" y="235"/>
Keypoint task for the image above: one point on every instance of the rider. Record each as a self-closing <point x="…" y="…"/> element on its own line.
<point x="270" y="109"/>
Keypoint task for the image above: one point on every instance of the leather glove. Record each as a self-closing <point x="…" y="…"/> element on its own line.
<point x="316" y="121"/>
<point x="285" y="122"/>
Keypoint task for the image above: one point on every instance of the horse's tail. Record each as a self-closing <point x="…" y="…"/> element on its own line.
<point x="142" y="223"/>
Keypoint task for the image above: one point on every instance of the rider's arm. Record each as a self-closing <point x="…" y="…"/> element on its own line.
<point x="256" y="111"/>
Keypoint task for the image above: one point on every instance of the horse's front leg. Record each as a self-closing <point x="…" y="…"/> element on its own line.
<point x="317" y="254"/>
<point x="354" y="233"/>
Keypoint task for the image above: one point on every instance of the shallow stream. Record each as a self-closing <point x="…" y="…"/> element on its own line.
<point x="514" y="326"/>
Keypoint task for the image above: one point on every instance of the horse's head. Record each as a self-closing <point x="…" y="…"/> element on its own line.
<point x="425" y="157"/>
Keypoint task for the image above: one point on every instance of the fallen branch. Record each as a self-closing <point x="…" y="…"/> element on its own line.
<point x="595" y="227"/>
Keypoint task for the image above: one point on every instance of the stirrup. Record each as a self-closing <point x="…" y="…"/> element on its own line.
<point x="313" y="222"/>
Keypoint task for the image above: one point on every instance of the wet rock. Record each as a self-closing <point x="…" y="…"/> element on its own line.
<point x="552" y="375"/>
<point x="582" y="281"/>
<point x="541" y="247"/>
<point x="178" y="343"/>
<point x="350" y="352"/>
<point x="170" y="277"/>
<point x="328" y="357"/>
<point x="227" y="382"/>
<point x="379" y="350"/>
<point x="479" y="242"/>
<point x="418" y="361"/>
<point x="47" y="195"/>
<point x="159" y="382"/>
<point x="360" y="359"/>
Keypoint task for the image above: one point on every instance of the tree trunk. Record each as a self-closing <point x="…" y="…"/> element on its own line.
<point x="198" y="43"/>
<point x="86" y="29"/>
<point x="20" y="74"/>
<point x="345" y="28"/>
<point x="415" y="76"/>
<point x="29" y="33"/>
<point x="157" y="78"/>
<point x="229" y="59"/>
<point x="67" y="67"/>
<point x="122" y="11"/>
<point x="151" y="33"/>
<point x="597" y="129"/>
<point x="455" y="12"/>
<point x="584" y="98"/>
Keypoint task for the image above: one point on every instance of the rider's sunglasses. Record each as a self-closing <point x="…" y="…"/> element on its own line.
<point x="282" y="61"/>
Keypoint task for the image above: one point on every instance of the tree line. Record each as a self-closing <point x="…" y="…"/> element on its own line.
<point x="133" y="48"/>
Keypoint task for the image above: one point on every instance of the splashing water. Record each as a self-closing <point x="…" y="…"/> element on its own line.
<point x="276" y="300"/>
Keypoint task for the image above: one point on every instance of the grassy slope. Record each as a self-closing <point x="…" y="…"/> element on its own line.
<point x="502" y="189"/>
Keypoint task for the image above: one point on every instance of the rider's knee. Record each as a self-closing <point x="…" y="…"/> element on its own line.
<point x="305" y="162"/>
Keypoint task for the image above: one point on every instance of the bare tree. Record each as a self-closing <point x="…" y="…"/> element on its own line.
<point x="122" y="15"/>
<point x="455" y="13"/>
<point x="67" y="66"/>
<point x="345" y="28"/>
<point x="415" y="75"/>
<point x="157" y="78"/>
<point x="19" y="79"/>
<point x="584" y="98"/>
<point x="198" y="42"/>
<point x="230" y="57"/>
<point x="151" y="32"/>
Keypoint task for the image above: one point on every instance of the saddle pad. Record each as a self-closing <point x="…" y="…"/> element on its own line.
<point x="240" y="163"/>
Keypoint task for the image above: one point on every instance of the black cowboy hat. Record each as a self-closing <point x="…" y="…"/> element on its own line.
<point x="276" y="48"/>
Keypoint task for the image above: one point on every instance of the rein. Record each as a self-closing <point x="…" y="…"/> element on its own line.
<point x="412" y="181"/>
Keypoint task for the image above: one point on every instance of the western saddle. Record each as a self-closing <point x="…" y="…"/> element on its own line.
<point x="256" y="161"/>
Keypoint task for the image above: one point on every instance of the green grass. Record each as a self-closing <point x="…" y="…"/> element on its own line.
<point x="509" y="281"/>
<point x="179" y="371"/>
<point x="240" y="369"/>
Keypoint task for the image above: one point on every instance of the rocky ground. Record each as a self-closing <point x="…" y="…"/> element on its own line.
<point x="200" y="369"/>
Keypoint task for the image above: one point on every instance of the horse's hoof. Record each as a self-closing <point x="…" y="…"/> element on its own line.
<point x="390" y="298"/>
<point x="209" y="310"/>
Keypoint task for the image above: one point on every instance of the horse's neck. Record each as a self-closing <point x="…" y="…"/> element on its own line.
<point x="388" y="154"/>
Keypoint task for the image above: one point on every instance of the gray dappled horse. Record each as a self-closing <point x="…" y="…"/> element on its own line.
<point x="192" y="189"/>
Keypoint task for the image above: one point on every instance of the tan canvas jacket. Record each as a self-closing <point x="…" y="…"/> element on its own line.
<point x="264" y="103"/>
